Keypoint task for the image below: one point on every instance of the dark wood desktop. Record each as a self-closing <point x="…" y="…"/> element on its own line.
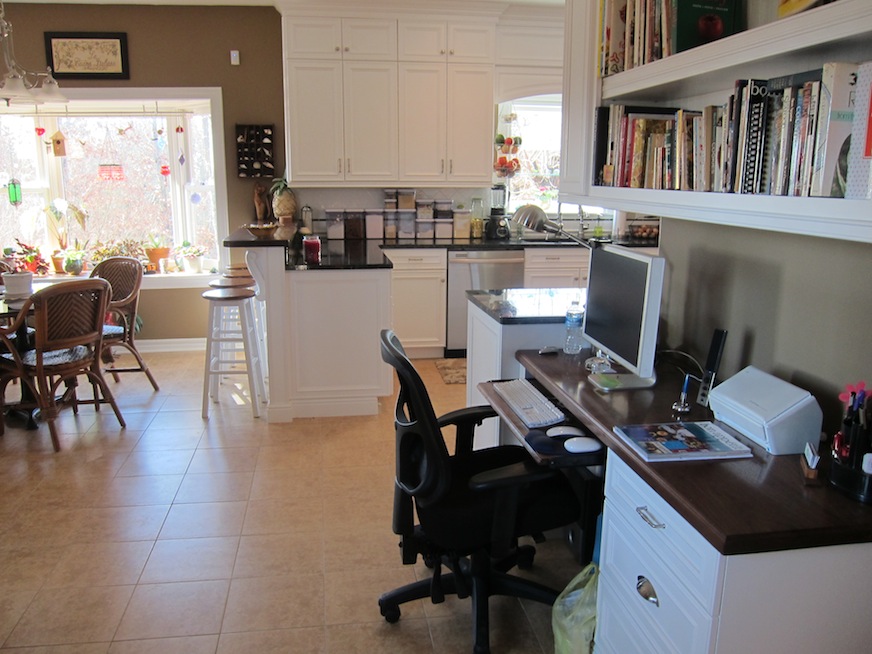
<point x="740" y="506"/>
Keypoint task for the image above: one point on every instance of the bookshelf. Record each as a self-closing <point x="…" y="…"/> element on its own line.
<point x="705" y="75"/>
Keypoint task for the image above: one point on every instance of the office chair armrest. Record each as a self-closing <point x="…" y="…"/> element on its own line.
<point x="466" y="420"/>
<point x="511" y="475"/>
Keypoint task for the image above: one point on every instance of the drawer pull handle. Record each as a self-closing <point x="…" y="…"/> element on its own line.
<point x="650" y="519"/>
<point x="646" y="589"/>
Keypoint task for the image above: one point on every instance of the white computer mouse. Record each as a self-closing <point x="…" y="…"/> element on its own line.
<point x="564" y="430"/>
<point x="582" y="445"/>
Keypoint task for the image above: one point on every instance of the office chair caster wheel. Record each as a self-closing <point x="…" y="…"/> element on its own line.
<point x="525" y="556"/>
<point x="390" y="612"/>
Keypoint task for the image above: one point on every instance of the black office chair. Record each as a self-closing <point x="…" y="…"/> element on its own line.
<point x="472" y="506"/>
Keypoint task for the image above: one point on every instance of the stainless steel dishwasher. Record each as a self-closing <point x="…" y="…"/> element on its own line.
<point x="470" y="270"/>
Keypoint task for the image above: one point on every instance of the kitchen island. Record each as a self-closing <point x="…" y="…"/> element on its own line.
<point x="322" y="326"/>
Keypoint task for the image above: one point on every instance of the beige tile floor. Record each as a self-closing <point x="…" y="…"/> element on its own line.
<point x="228" y="535"/>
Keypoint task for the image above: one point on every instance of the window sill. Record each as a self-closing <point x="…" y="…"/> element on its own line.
<point x="149" y="282"/>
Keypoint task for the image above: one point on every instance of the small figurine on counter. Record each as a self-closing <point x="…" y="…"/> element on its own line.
<point x="260" y="203"/>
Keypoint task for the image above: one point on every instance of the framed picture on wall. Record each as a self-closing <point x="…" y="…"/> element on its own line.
<point x="87" y="55"/>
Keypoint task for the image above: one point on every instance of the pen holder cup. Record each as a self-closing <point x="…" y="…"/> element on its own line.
<point x="852" y="481"/>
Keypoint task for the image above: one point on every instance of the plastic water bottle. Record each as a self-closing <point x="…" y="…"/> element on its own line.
<point x="574" y="339"/>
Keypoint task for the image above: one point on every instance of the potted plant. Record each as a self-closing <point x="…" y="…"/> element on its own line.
<point x="156" y="249"/>
<point x="191" y="256"/>
<point x="25" y="261"/>
<point x="60" y="212"/>
<point x="74" y="260"/>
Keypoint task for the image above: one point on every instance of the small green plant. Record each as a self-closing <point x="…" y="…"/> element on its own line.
<point x="155" y="241"/>
<point x="188" y="250"/>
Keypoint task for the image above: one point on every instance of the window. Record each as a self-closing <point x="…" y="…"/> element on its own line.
<point x="537" y="120"/>
<point x="137" y="168"/>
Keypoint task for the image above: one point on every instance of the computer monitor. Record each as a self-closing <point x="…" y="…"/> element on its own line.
<point x="622" y="315"/>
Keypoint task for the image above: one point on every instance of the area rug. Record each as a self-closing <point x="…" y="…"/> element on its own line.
<point x="453" y="371"/>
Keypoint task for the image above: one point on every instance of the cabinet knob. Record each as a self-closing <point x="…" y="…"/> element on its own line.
<point x="646" y="590"/>
<point x="347" y="49"/>
<point x="451" y="52"/>
<point x="442" y="52"/>
<point x="337" y="48"/>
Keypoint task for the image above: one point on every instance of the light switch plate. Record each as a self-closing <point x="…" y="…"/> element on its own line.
<point x="234" y="57"/>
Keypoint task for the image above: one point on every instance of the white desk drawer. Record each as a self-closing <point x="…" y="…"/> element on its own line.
<point x="631" y="619"/>
<point x="679" y="547"/>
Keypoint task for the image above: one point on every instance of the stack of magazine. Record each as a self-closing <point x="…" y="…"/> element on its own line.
<point x="674" y="441"/>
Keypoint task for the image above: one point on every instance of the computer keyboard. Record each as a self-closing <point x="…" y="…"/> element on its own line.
<point x="533" y="408"/>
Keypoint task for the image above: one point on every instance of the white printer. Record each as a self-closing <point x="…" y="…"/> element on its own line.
<point x="773" y="413"/>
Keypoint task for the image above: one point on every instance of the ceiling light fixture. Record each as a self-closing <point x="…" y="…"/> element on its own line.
<point x="19" y="85"/>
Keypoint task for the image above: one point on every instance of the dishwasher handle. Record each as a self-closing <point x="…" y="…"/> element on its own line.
<point x="486" y="261"/>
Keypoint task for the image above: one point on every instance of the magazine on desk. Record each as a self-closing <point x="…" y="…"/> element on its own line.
<point x="675" y="441"/>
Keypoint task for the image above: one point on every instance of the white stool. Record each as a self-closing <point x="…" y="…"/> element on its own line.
<point x="232" y="324"/>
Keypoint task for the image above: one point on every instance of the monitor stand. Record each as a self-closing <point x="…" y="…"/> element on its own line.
<point x="618" y="381"/>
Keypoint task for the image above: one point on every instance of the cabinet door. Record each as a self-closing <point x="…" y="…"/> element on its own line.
<point x="363" y="38"/>
<point x="422" y="122"/>
<point x="470" y="123"/>
<point x="471" y="43"/>
<point x="370" y="100"/>
<point x="422" y="41"/>
<point x="419" y="298"/>
<point x="547" y="267"/>
<point x="310" y="37"/>
<point x="314" y="120"/>
<point x="554" y="278"/>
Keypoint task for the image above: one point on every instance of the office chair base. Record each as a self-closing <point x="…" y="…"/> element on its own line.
<point x="484" y="579"/>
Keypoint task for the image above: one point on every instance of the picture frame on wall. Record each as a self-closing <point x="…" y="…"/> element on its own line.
<point x="87" y="55"/>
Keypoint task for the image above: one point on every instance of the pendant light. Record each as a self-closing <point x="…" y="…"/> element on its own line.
<point x="19" y="85"/>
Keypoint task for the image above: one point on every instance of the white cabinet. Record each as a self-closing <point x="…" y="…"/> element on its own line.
<point x="341" y="119"/>
<point x="418" y="295"/>
<point x="705" y="75"/>
<point x="340" y="38"/>
<point x="462" y="42"/>
<point x="445" y="123"/>
<point x="664" y="588"/>
<point x="556" y="267"/>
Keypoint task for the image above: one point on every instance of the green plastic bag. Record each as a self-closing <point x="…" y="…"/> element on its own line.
<point x="573" y="617"/>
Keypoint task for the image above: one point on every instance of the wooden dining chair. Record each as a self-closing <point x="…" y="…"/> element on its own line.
<point x="68" y="338"/>
<point x="124" y="274"/>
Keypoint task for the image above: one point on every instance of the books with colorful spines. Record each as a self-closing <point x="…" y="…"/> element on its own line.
<point x="696" y="22"/>
<point x="676" y="441"/>
<point x="629" y="34"/>
<point x="791" y="7"/>
<point x="783" y="91"/>
<point x="641" y="127"/>
<point x="754" y="136"/>
<point x="624" y="149"/>
<point x="835" y="119"/>
<point x="684" y="149"/>
<point x="615" y="33"/>
<point x="859" y="178"/>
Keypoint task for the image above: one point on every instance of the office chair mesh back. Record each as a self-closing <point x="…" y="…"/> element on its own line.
<point x="422" y="468"/>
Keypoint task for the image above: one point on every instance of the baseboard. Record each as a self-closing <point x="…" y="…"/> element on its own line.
<point x="146" y="345"/>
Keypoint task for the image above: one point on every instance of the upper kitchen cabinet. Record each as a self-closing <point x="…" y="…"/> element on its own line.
<point x="705" y="75"/>
<point x="446" y="123"/>
<point x="460" y="42"/>
<point x="340" y="38"/>
<point x="342" y="119"/>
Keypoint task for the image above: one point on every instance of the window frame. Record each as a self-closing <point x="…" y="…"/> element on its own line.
<point x="212" y="95"/>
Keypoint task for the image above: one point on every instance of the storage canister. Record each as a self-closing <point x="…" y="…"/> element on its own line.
<point x="443" y="228"/>
<point x="406" y="223"/>
<point x="391" y="229"/>
<point x="424" y="229"/>
<point x="424" y="209"/>
<point x="375" y="223"/>
<point x="461" y="223"/>
<point x="406" y="198"/>
<point x="354" y="224"/>
<point x="442" y="209"/>
<point x="335" y="223"/>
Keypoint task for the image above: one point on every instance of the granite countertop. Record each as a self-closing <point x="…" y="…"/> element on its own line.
<point x="367" y="253"/>
<point x="526" y="306"/>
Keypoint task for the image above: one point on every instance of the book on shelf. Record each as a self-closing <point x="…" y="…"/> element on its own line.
<point x="677" y="441"/>
<point x="790" y="7"/>
<point x="614" y="35"/>
<point x="752" y="136"/>
<point x="696" y="22"/>
<point x="859" y="177"/>
<point x="834" y="122"/>
<point x="731" y="156"/>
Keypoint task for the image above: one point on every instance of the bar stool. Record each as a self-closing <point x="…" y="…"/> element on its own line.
<point x="231" y="325"/>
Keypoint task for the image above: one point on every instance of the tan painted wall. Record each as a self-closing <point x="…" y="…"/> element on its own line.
<point x="180" y="46"/>
<point x="796" y="306"/>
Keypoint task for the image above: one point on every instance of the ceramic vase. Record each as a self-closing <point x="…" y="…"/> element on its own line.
<point x="192" y="264"/>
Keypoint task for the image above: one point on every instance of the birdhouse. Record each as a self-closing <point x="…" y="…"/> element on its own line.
<point x="58" y="144"/>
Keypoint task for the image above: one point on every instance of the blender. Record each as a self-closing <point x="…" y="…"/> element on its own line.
<point x="497" y="227"/>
